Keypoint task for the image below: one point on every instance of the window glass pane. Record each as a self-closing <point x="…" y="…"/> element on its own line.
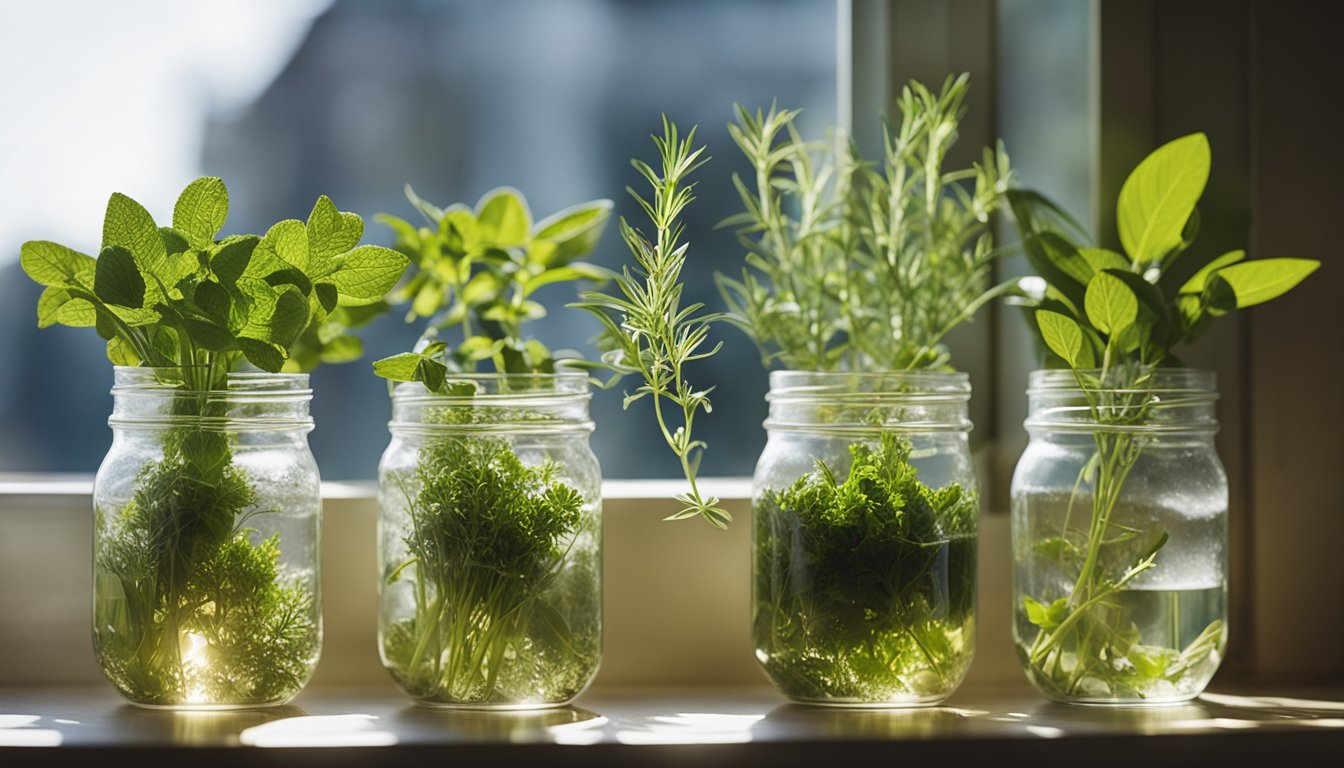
<point x="287" y="101"/>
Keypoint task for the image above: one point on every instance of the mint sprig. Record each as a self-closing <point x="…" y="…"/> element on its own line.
<point x="177" y="297"/>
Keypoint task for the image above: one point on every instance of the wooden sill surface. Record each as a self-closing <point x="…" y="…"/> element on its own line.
<point x="663" y="726"/>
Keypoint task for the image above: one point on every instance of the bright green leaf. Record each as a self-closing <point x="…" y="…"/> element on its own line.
<point x="288" y="240"/>
<point x="1195" y="285"/>
<point x="400" y="367"/>
<point x="117" y="280"/>
<point x="1255" y="282"/>
<point x="201" y="210"/>
<point x="1063" y="336"/>
<point x="367" y="273"/>
<point x="1111" y="305"/>
<point x="504" y="218"/>
<point x="129" y="225"/>
<point x="57" y="306"/>
<point x="52" y="264"/>
<point x="330" y="233"/>
<point x="1159" y="197"/>
<point x="575" y="231"/>
<point x="342" y="349"/>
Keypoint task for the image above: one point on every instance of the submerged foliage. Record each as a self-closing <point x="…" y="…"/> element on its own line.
<point x="502" y="573"/>
<point x="865" y="588"/>
<point x="861" y="267"/>
<point x="191" y="605"/>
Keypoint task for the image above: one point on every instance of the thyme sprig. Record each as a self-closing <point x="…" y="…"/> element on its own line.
<point x="861" y="266"/>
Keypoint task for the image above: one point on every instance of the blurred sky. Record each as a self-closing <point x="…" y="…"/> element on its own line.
<point x="353" y="99"/>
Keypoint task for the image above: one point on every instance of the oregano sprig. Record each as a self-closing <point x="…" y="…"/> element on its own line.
<point x="476" y="270"/>
<point x="646" y="330"/>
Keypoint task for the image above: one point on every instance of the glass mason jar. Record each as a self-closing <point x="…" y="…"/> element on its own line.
<point x="489" y="531"/>
<point x="866" y="513"/>
<point x="1119" y="530"/>
<point x="205" y="547"/>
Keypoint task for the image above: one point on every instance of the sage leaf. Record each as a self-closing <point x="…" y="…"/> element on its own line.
<point x="1159" y="197"/>
<point x="1063" y="336"/>
<point x="1111" y="306"/>
<point x="1195" y="285"/>
<point x="1255" y="282"/>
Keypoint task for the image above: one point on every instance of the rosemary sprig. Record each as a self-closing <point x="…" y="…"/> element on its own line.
<point x="645" y="328"/>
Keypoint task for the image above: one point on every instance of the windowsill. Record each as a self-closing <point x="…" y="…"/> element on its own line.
<point x="65" y="485"/>
<point x="718" y="725"/>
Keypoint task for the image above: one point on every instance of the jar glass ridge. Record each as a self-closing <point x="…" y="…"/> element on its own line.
<point x="1119" y="536"/>
<point x="206" y="531"/>
<point x="865" y="520"/>
<point x="489" y="532"/>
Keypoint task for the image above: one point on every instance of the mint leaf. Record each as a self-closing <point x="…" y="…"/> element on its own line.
<point x="230" y="260"/>
<point x="367" y="273"/>
<point x="1159" y="197"/>
<point x="262" y="354"/>
<point x="288" y="241"/>
<point x="57" y="306"/>
<point x="201" y="210"/>
<point x="128" y="225"/>
<point x="117" y="280"/>
<point x="504" y="218"/>
<point x="52" y="264"/>
<point x="330" y="233"/>
<point x="207" y="333"/>
<point x="289" y="318"/>
<point x="213" y="299"/>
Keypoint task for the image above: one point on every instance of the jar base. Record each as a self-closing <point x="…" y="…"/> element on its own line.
<point x="1124" y="703"/>
<point x="528" y="706"/>
<point x="868" y="705"/>
<point x="210" y="707"/>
